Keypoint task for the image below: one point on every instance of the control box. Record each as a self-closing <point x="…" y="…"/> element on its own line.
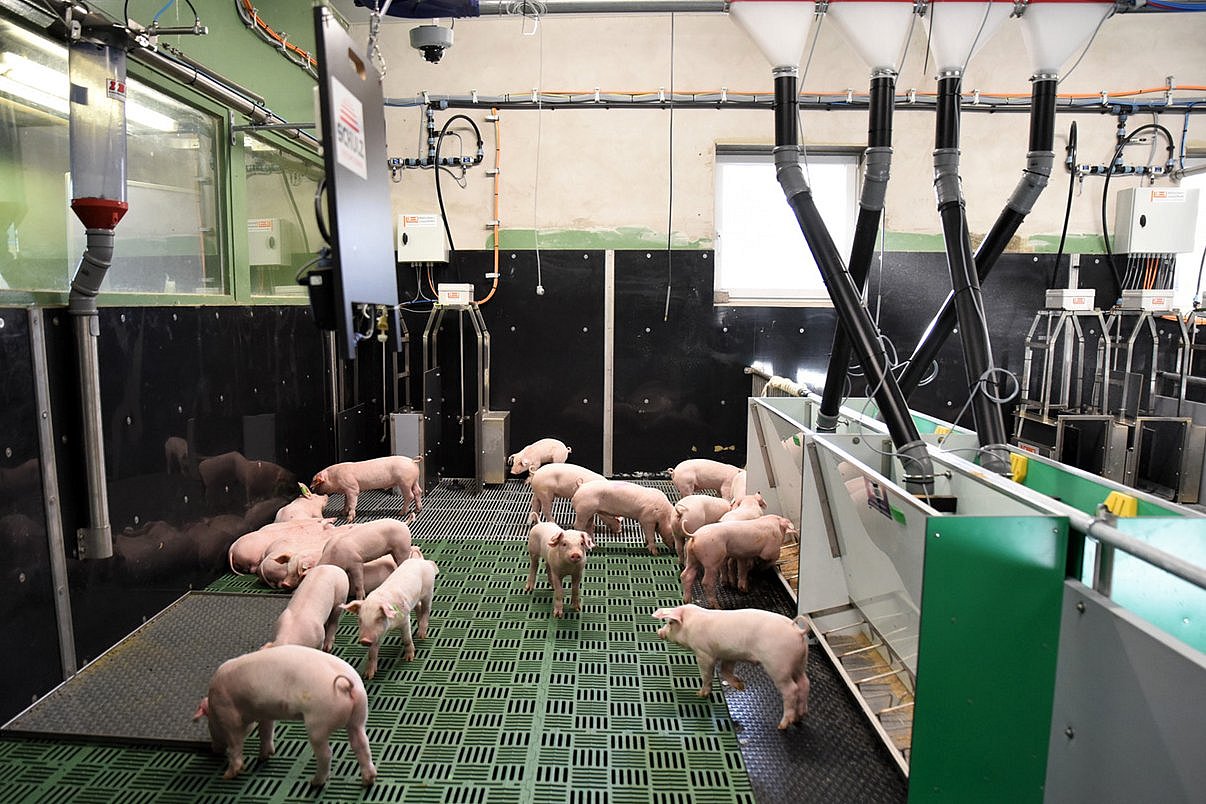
<point x="420" y="238"/>
<point x="270" y="241"/>
<point x="454" y="294"/>
<point x="1069" y="299"/>
<point x="1153" y="301"/>
<point x="1155" y="220"/>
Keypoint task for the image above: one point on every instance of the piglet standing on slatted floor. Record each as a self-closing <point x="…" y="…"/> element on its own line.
<point x="411" y="587"/>
<point x="287" y="682"/>
<point x="564" y="553"/>
<point x="744" y="635"/>
<point x="352" y="477"/>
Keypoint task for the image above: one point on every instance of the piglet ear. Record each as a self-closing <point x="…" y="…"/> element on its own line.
<point x="587" y="541"/>
<point x="353" y="607"/>
<point x="672" y="615"/>
<point x="556" y="540"/>
<point x="283" y="558"/>
<point x="305" y="492"/>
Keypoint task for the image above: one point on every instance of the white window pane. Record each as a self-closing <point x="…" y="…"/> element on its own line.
<point x="760" y="251"/>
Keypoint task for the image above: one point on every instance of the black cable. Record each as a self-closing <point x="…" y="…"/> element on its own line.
<point x="1105" y="232"/>
<point x="196" y="16"/>
<point x="1198" y="288"/>
<point x="439" y="193"/>
<point x="1063" y="235"/>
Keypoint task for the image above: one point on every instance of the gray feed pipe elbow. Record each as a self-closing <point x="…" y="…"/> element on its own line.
<point x="98" y="256"/>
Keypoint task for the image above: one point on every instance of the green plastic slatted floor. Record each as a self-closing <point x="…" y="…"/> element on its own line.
<point x="502" y="703"/>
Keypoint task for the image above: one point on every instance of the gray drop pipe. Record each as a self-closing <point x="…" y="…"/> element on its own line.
<point x="96" y="540"/>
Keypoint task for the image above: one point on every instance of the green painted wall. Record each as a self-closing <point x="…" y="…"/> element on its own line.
<point x="234" y="52"/>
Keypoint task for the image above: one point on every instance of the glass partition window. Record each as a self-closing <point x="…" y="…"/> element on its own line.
<point x="282" y="232"/>
<point x="170" y="241"/>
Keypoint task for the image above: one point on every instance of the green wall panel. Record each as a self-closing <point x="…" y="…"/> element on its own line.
<point x="990" y="619"/>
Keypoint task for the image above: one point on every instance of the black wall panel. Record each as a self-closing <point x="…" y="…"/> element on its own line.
<point x="27" y="622"/>
<point x="680" y="389"/>
<point x="210" y="416"/>
<point x="913" y="287"/>
<point x="546" y="351"/>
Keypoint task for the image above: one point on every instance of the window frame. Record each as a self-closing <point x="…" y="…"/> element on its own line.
<point x="814" y="294"/>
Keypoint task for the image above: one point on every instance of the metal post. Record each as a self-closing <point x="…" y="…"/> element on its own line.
<point x="50" y="496"/>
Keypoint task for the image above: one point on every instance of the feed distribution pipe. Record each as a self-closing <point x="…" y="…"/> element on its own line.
<point x="968" y="302"/>
<point x="871" y="207"/>
<point x="1034" y="178"/>
<point x="918" y="469"/>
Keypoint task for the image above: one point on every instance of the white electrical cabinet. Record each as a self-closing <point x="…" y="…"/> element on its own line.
<point x="421" y="239"/>
<point x="1155" y="220"/>
<point x="270" y="241"/>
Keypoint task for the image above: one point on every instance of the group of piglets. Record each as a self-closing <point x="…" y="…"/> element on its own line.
<point x="715" y="536"/>
<point x="294" y="677"/>
<point x="724" y="536"/>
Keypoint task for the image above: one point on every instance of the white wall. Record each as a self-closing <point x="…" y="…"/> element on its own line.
<point x="608" y="171"/>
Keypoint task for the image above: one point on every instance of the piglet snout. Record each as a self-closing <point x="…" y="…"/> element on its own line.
<point x="366" y="641"/>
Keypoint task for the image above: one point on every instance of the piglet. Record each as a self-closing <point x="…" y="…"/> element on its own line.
<point x="245" y="553"/>
<point x="559" y="480"/>
<point x="305" y="547"/>
<point x="308" y="506"/>
<point x="749" y="506"/>
<point x="352" y="477"/>
<point x="701" y="474"/>
<point x="648" y="506"/>
<point x="287" y="682"/>
<point x="537" y="454"/>
<point x="744" y="540"/>
<point x="564" y="553"/>
<point x="693" y="512"/>
<point x="744" y="635"/>
<point x="313" y="612"/>
<point x="410" y="587"/>
<point x="364" y="543"/>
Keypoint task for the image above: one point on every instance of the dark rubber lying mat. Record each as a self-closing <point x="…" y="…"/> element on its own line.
<point x="145" y="688"/>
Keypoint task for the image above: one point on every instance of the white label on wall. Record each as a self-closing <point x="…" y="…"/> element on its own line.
<point x="349" y="129"/>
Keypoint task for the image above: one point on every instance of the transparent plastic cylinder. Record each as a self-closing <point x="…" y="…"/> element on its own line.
<point x="98" y="134"/>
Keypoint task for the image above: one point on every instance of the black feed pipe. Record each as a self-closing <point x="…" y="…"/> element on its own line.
<point x="853" y="317"/>
<point x="1034" y="179"/>
<point x="968" y="302"/>
<point x="878" y="159"/>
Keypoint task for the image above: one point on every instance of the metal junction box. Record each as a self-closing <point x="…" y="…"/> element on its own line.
<point x="420" y="238"/>
<point x="406" y="438"/>
<point x="494" y="436"/>
<point x="1155" y="220"/>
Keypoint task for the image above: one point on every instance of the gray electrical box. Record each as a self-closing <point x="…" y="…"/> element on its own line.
<point x="406" y="438"/>
<point x="494" y="434"/>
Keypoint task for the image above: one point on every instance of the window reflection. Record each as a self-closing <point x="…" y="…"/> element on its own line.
<point x="171" y="239"/>
<point x="282" y="232"/>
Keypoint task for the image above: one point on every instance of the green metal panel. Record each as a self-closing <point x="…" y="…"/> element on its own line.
<point x="1081" y="493"/>
<point x="990" y="619"/>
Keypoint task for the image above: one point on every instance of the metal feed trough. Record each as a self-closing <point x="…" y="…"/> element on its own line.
<point x="1038" y="606"/>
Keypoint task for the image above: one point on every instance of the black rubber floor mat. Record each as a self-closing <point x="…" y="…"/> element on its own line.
<point x="145" y="688"/>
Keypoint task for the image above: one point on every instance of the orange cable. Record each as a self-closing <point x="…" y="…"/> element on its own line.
<point x="255" y="15"/>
